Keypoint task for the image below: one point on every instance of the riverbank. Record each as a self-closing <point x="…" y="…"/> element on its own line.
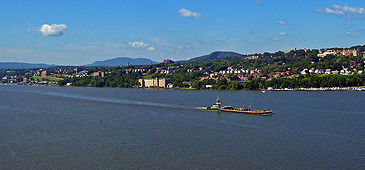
<point x="321" y="89"/>
<point x="361" y="88"/>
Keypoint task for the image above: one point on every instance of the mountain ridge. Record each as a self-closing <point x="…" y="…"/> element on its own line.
<point x="21" y="65"/>
<point x="216" y="54"/>
<point x="122" y="61"/>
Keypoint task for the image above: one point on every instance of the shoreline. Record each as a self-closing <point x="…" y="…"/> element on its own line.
<point x="360" y="88"/>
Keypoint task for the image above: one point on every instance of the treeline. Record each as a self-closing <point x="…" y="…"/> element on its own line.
<point x="116" y="78"/>
<point x="306" y="81"/>
<point x="294" y="61"/>
<point x="122" y="79"/>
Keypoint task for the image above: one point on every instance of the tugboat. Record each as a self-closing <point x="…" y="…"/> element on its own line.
<point x="218" y="107"/>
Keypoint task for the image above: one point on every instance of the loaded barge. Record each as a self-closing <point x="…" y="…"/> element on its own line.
<point x="217" y="107"/>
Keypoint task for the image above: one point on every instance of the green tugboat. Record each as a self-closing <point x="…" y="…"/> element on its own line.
<point x="218" y="107"/>
<point x="215" y="106"/>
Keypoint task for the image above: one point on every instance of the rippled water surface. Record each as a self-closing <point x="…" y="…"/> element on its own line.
<point x="93" y="128"/>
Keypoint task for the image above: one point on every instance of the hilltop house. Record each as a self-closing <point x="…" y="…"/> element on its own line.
<point x="99" y="74"/>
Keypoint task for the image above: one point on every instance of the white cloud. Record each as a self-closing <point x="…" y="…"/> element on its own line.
<point x="275" y="39"/>
<point x="151" y="48"/>
<point x="53" y="29"/>
<point x="341" y="10"/>
<point x="281" y="22"/>
<point x="330" y="11"/>
<point x="350" y="33"/>
<point x="186" y="13"/>
<point x="350" y="9"/>
<point x="137" y="44"/>
<point x="283" y="34"/>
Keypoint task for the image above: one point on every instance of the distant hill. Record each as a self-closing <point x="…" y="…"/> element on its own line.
<point x="216" y="54"/>
<point x="122" y="61"/>
<point x="16" y="65"/>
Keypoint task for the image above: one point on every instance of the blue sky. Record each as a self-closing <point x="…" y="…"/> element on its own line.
<point x="69" y="32"/>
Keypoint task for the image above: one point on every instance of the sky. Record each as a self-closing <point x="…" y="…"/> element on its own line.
<point x="69" y="32"/>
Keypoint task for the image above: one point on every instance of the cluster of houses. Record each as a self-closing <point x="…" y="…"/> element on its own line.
<point x="344" y="71"/>
<point x="26" y="77"/>
<point x="137" y="70"/>
<point x="244" y="74"/>
<point x="355" y="53"/>
<point x="159" y="70"/>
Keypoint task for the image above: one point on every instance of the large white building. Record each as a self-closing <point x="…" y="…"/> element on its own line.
<point x="154" y="82"/>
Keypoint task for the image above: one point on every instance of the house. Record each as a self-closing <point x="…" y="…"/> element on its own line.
<point x="278" y="74"/>
<point x="335" y="72"/>
<point x="327" y="52"/>
<point x="167" y="61"/>
<point x="83" y="73"/>
<point x="208" y="86"/>
<point x="328" y="71"/>
<point x="77" y="70"/>
<point x="44" y="74"/>
<point x="256" y="75"/>
<point x="170" y="85"/>
<point x="311" y="71"/>
<point x="99" y="74"/>
<point x="305" y="71"/>
<point x="345" y="71"/>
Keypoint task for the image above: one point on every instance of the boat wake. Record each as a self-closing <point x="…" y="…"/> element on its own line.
<point x="120" y="101"/>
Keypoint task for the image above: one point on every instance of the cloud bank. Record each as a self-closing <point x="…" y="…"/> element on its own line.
<point x="341" y="10"/>
<point x="53" y="29"/>
<point x="138" y="44"/>
<point x="186" y="13"/>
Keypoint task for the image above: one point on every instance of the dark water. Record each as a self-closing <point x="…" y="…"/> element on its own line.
<point x="92" y="128"/>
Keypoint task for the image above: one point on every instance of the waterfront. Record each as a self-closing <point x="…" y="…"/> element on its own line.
<point x="78" y="128"/>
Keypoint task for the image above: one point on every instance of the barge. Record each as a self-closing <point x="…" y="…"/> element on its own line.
<point x="218" y="107"/>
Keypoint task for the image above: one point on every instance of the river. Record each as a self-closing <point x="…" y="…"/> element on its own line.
<point x="114" y="128"/>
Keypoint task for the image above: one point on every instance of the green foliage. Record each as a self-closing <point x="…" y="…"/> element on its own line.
<point x="117" y="78"/>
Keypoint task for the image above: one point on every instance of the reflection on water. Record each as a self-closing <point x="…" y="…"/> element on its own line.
<point x="93" y="128"/>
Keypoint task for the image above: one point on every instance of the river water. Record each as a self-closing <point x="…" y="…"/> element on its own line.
<point x="94" y="128"/>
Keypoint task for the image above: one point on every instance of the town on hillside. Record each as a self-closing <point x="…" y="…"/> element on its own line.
<point x="291" y="69"/>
